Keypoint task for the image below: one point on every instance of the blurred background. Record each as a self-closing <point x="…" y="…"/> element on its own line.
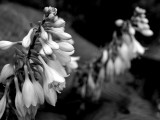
<point x="91" y="23"/>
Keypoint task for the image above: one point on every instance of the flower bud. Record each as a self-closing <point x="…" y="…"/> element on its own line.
<point x="140" y="10"/>
<point x="19" y="101"/>
<point x="43" y="34"/>
<point x="46" y="48"/>
<point x="27" y="39"/>
<point x="132" y="30"/>
<point x="6" y="72"/>
<point x="59" y="34"/>
<point x="59" y="23"/>
<point x="119" y="22"/>
<point x="110" y="68"/>
<point x="119" y="65"/>
<point x="52" y="43"/>
<point x="66" y="46"/>
<point x="4" y="45"/>
<point x="147" y="32"/>
<point x="104" y="56"/>
<point x="2" y="105"/>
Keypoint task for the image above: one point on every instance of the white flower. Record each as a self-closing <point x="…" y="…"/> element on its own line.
<point x="52" y="43"/>
<point x="49" y="93"/>
<point x="67" y="47"/>
<point x="4" y="45"/>
<point x="27" y="39"/>
<point x="43" y="34"/>
<point x="51" y="74"/>
<point x="73" y="63"/>
<point x="2" y="105"/>
<point x="39" y="91"/>
<point x="104" y="56"/>
<point x="119" y="22"/>
<point x="28" y="92"/>
<point x="110" y="68"/>
<point x="46" y="48"/>
<point x="119" y="65"/>
<point x="59" y="23"/>
<point x="137" y="47"/>
<point x="19" y="100"/>
<point x="6" y="72"/>
<point x="147" y="32"/>
<point x="55" y="64"/>
<point x="59" y="34"/>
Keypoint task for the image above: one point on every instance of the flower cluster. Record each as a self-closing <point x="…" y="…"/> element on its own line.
<point x="41" y="62"/>
<point x="115" y="57"/>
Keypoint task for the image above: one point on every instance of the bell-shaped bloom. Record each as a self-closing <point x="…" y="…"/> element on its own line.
<point x="73" y="64"/>
<point x="62" y="56"/>
<point x="39" y="91"/>
<point x="124" y="51"/>
<point x="104" y="56"/>
<point x="49" y="93"/>
<point x="67" y="47"/>
<point x="119" y="65"/>
<point x="6" y="72"/>
<point x="2" y="105"/>
<point x="51" y="74"/>
<point x="52" y="43"/>
<point x="43" y="34"/>
<point x="91" y="82"/>
<point x="27" y="39"/>
<point x="20" y="104"/>
<point x="4" y="45"/>
<point x="46" y="48"/>
<point x="55" y="64"/>
<point x="19" y="101"/>
<point x="110" y="68"/>
<point x="137" y="47"/>
<point x="28" y="93"/>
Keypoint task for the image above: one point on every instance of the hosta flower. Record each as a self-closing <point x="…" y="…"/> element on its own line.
<point x="137" y="47"/>
<point x="62" y="56"/>
<point x="124" y="52"/>
<point x="43" y="34"/>
<point x="49" y="93"/>
<point x="4" y="45"/>
<point x="59" y="23"/>
<point x="59" y="34"/>
<point x="28" y="92"/>
<point x="104" y="56"/>
<point x="2" y="105"/>
<point x="55" y="64"/>
<point x="6" y="72"/>
<point x="119" y="22"/>
<point x="110" y="68"/>
<point x="91" y="82"/>
<point x="19" y="101"/>
<point x="39" y="91"/>
<point x="67" y="47"/>
<point x="52" y="43"/>
<point x="27" y="39"/>
<point x="46" y="48"/>
<point x="147" y="32"/>
<point x="51" y="74"/>
<point x="119" y="65"/>
<point x="73" y="64"/>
